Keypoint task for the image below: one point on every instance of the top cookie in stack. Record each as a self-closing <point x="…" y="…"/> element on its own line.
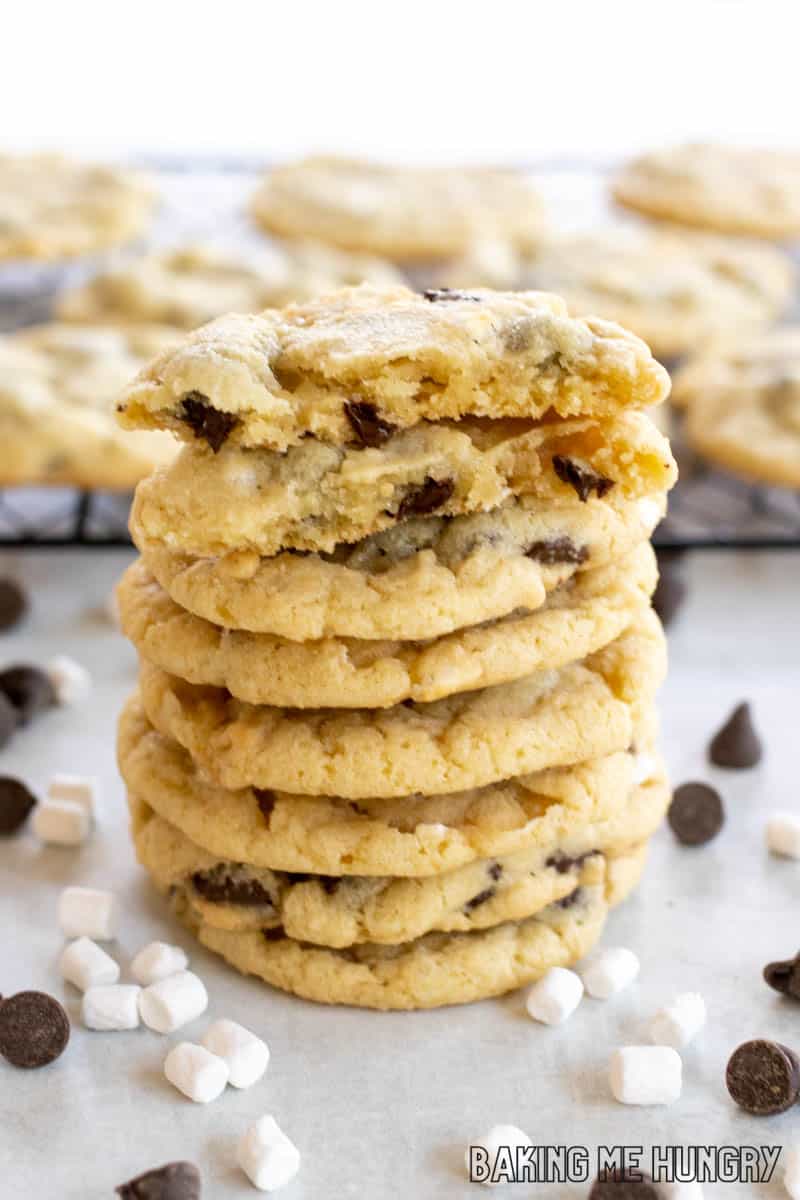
<point x="402" y="561"/>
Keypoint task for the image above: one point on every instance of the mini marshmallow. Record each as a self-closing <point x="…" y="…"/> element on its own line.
<point x="173" y="1002"/>
<point x="677" y="1023"/>
<point x="555" y="997"/>
<point x="156" y="961"/>
<point x="507" y="1136"/>
<point x="791" y="1174"/>
<point x="644" y="768"/>
<point x="246" y="1055"/>
<point x="649" y="513"/>
<point x="85" y="965"/>
<point x="61" y="822"/>
<point x="71" y="682"/>
<point x="645" y="1075"/>
<point x="783" y="834"/>
<point x="196" y="1072"/>
<point x="609" y="971"/>
<point x="111" y="1008"/>
<point x="87" y="912"/>
<point x="75" y="789"/>
<point x="267" y="1156"/>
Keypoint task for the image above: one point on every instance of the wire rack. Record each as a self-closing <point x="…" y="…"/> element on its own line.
<point x="708" y="508"/>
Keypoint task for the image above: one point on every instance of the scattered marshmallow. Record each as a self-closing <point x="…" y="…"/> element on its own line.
<point x="75" y="789"/>
<point x="173" y="1002"/>
<point x="505" y="1136"/>
<point x="61" y="823"/>
<point x="111" y="1008"/>
<point x="246" y="1055"/>
<point x="196" y="1072"/>
<point x="677" y="1023"/>
<point x="645" y="767"/>
<point x="85" y="965"/>
<point x="87" y="912"/>
<point x="783" y="834"/>
<point x="645" y="1075"/>
<point x="267" y="1156"/>
<point x="156" y="961"/>
<point x="71" y="682"/>
<point x="609" y="971"/>
<point x="791" y="1175"/>
<point x="555" y="997"/>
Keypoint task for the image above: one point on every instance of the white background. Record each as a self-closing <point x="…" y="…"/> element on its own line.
<point x="423" y="79"/>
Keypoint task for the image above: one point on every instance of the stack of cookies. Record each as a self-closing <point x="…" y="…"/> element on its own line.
<point x="393" y="743"/>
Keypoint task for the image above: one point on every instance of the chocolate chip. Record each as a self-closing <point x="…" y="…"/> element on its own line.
<point x="557" y="550"/>
<point x="273" y="935"/>
<point x="736" y="744"/>
<point x="624" y="1185"/>
<point x="437" y="295"/>
<point x="784" y="976"/>
<point x="696" y="814"/>
<point x="205" y="421"/>
<point x="763" y="1077"/>
<point x="28" y="689"/>
<point x="266" y="803"/>
<point x="13" y="604"/>
<point x="495" y="871"/>
<point x="583" y="479"/>
<point x="220" y="886"/>
<point x="571" y="899"/>
<point x="175" y="1181"/>
<point x="670" y="592"/>
<point x="426" y="498"/>
<point x="16" y="803"/>
<point x="370" y="428"/>
<point x="9" y="720"/>
<point x="330" y="884"/>
<point x="480" y="899"/>
<point x="564" y="863"/>
<point x="34" y="1029"/>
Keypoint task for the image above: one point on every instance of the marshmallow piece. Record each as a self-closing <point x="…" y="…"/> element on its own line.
<point x="676" y="1024"/>
<point x="75" y="789"/>
<point x="61" y="822"/>
<point x="609" y="971"/>
<point x="87" y="912"/>
<point x="791" y="1174"/>
<point x="246" y="1055"/>
<point x="267" y="1156"/>
<point x="483" y="1163"/>
<point x="644" y="768"/>
<point x="649" y="513"/>
<point x="555" y="997"/>
<point x="783" y="834"/>
<point x="645" y="1075"/>
<point x="111" y="1008"/>
<point x="71" y="682"/>
<point x="196" y="1072"/>
<point x="156" y="961"/>
<point x="173" y="1002"/>
<point x="85" y="965"/>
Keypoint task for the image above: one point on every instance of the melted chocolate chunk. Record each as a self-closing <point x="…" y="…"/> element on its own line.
<point x="370" y="428"/>
<point x="557" y="550"/>
<point x="174" y="1181"/>
<point x="763" y="1077"/>
<point x="582" y="479"/>
<point x="273" y="935"/>
<point x="480" y="899"/>
<point x="266" y="802"/>
<point x="28" y="689"/>
<point x="565" y="863"/>
<point x="437" y="295"/>
<point x="495" y="871"/>
<point x="16" y="803"/>
<point x="13" y="604"/>
<point x="219" y="886"/>
<point x="329" y="883"/>
<point x="736" y="744"/>
<point x="34" y="1029"/>
<point x="618" y="1184"/>
<point x="205" y="421"/>
<point x="695" y="814"/>
<point x="570" y="900"/>
<point x="784" y="976"/>
<point x="430" y="495"/>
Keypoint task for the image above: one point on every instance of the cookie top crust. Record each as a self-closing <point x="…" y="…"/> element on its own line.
<point x="725" y="188"/>
<point x="190" y="285"/>
<point x="401" y="213"/>
<point x="52" y="207"/>
<point x="402" y="357"/>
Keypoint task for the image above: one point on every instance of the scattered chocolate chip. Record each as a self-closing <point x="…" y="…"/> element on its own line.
<point x="275" y="934"/>
<point x="582" y="479"/>
<point x="624" y="1185"/>
<point x="13" y="604"/>
<point x="34" y="1029"/>
<point x="205" y="421"/>
<point x="220" y="886"/>
<point x="736" y="744"/>
<point x="430" y="495"/>
<point x="480" y="899"/>
<point x="696" y="814"/>
<point x="670" y="592"/>
<point x="495" y="871"/>
<point x="557" y="550"/>
<point x="175" y="1181"/>
<point x="266" y="802"/>
<point x="16" y="803"/>
<point x="28" y="689"/>
<point x="370" y="428"/>
<point x="784" y="976"/>
<point x="763" y="1077"/>
<point x="570" y="900"/>
<point x="565" y="863"/>
<point x="437" y="295"/>
<point x="9" y="720"/>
